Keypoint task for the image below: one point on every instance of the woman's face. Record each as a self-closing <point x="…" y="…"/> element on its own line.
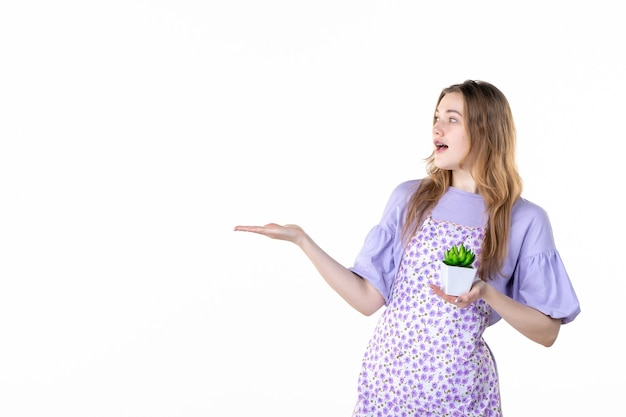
<point x="449" y="136"/>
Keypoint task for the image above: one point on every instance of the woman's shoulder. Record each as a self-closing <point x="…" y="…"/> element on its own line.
<point x="527" y="211"/>
<point x="530" y="225"/>
<point x="402" y="192"/>
<point x="407" y="187"/>
<point x="399" y="197"/>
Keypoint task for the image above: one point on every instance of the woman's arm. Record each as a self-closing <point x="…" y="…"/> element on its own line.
<point x="358" y="292"/>
<point x="530" y="322"/>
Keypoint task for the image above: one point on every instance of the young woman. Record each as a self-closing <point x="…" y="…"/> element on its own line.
<point x="427" y="356"/>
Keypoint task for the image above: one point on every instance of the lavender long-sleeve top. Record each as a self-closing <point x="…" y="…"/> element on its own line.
<point x="533" y="272"/>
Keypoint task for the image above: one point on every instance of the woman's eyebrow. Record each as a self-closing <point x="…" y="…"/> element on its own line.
<point x="450" y="111"/>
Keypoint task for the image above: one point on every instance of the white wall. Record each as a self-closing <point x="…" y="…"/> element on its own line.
<point x="135" y="134"/>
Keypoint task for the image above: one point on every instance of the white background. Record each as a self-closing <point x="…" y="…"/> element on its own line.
<point x="136" y="134"/>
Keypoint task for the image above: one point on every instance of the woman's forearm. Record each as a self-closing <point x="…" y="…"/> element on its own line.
<point x="532" y="323"/>
<point x="358" y="292"/>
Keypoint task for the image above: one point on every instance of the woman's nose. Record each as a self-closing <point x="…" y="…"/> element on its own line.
<point x="437" y="130"/>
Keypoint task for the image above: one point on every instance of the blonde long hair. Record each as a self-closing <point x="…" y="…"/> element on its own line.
<point x="492" y="136"/>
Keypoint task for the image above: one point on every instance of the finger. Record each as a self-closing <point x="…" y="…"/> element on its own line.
<point x="242" y="228"/>
<point x="254" y="229"/>
<point x="438" y="291"/>
<point x="435" y="289"/>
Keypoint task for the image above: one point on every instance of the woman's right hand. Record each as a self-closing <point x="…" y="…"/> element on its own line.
<point x="289" y="232"/>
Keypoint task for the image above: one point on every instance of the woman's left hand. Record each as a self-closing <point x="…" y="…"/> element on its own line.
<point x="462" y="300"/>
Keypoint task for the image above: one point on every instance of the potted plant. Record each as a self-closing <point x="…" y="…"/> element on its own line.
<point x="457" y="270"/>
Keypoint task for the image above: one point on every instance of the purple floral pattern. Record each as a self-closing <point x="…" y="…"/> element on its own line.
<point x="427" y="357"/>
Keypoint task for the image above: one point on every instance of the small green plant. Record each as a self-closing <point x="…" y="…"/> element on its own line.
<point x="459" y="255"/>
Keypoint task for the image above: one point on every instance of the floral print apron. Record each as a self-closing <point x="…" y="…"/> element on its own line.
<point x="427" y="357"/>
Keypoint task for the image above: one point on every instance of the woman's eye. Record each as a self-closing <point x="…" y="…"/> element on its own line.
<point x="453" y="120"/>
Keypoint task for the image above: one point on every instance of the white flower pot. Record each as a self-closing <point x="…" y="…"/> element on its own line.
<point x="456" y="280"/>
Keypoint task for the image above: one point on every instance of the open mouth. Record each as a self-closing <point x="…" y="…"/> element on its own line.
<point x="440" y="145"/>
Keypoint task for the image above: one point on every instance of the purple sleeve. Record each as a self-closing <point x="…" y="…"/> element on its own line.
<point x="541" y="282"/>
<point x="375" y="262"/>
<point x="380" y="256"/>
<point x="538" y="277"/>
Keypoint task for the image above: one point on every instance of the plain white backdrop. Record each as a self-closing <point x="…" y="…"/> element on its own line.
<point x="136" y="134"/>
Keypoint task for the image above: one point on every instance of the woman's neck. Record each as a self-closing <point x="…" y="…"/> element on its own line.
<point x="463" y="180"/>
